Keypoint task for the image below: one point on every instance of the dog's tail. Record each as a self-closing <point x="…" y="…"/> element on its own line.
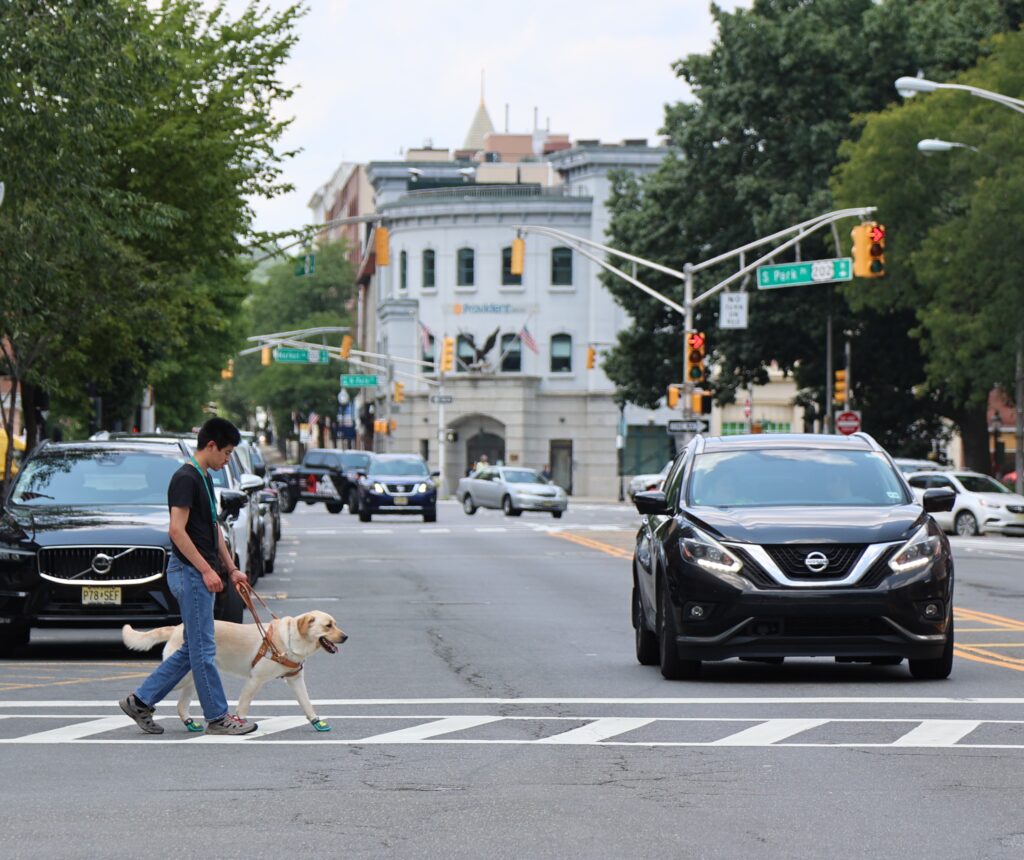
<point x="143" y="640"/>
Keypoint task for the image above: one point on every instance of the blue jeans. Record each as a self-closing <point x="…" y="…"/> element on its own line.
<point x="197" y="653"/>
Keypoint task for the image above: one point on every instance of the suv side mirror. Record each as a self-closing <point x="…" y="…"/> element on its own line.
<point x="232" y="502"/>
<point x="435" y="474"/>
<point x="651" y="502"/>
<point x="260" y="469"/>
<point x="939" y="500"/>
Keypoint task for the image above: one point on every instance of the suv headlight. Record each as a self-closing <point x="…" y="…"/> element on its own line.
<point x="987" y="504"/>
<point x="703" y="550"/>
<point x="379" y="487"/>
<point x="421" y="488"/>
<point x="920" y="551"/>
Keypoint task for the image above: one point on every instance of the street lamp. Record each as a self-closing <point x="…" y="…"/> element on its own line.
<point x="929" y="146"/>
<point x="908" y="87"/>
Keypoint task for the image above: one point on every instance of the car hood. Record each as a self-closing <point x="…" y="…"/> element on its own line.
<point x="810" y="524"/>
<point x="56" y="525"/>
<point x="535" y="489"/>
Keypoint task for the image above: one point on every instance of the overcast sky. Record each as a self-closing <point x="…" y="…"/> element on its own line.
<point x="375" y="78"/>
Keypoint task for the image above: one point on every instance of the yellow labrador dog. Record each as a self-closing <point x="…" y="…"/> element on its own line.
<point x="295" y="638"/>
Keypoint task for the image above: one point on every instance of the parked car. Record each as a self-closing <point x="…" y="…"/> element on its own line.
<point x="327" y="475"/>
<point x="982" y="503"/>
<point x="645" y="482"/>
<point x="907" y="465"/>
<point x="397" y="484"/>
<point x="766" y="547"/>
<point x="84" y="539"/>
<point x="512" y="489"/>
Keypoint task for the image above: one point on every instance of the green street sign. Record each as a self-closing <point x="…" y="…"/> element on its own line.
<point x="804" y="274"/>
<point x="292" y="355"/>
<point x="306" y="265"/>
<point x="358" y="380"/>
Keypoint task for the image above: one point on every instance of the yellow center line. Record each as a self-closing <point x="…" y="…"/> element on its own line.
<point x="590" y="543"/>
<point x="959" y="652"/>
<point x="993" y="644"/>
<point x="8" y="687"/>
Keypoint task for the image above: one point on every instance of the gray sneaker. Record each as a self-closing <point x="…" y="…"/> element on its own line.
<point x="142" y="715"/>
<point x="229" y="724"/>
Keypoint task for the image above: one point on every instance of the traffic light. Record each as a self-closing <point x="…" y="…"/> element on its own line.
<point x="518" y="255"/>
<point x="701" y="404"/>
<point x="839" y="392"/>
<point x="591" y="357"/>
<point x="228" y="371"/>
<point x="393" y="426"/>
<point x="672" y="397"/>
<point x="447" y="355"/>
<point x="346" y="345"/>
<point x="868" y="250"/>
<point x="399" y="394"/>
<point x="265" y="356"/>
<point x="381" y="245"/>
<point x="695" y="355"/>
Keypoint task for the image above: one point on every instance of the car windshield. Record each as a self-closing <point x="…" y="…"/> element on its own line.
<point x="409" y="468"/>
<point x="790" y="476"/>
<point x="523" y="476"/>
<point x="981" y="484"/>
<point x="98" y="478"/>
<point x="355" y="461"/>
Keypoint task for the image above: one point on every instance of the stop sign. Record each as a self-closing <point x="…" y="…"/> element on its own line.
<point x="848" y="423"/>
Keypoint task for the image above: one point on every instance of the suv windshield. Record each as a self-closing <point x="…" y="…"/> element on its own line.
<point x="107" y="477"/>
<point x="522" y="476"/>
<point x="410" y="468"/>
<point x="981" y="484"/>
<point x="355" y="461"/>
<point x="790" y="476"/>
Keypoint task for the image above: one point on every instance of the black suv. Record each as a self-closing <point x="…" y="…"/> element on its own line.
<point x="83" y="539"/>
<point x="767" y="547"/>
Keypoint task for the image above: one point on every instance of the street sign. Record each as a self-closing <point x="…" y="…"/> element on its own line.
<point x="358" y="380"/>
<point x="441" y="398"/>
<point x="732" y="310"/>
<point x="802" y="274"/>
<point x="293" y="355"/>
<point x="848" y="423"/>
<point x="688" y="425"/>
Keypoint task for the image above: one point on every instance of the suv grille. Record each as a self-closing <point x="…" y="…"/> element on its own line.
<point x="400" y="488"/>
<point x="108" y="564"/>
<point x="791" y="559"/>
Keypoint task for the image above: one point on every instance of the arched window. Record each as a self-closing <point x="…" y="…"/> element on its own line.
<point x="561" y="267"/>
<point x="507" y="278"/>
<point x="464" y="353"/>
<point x="561" y="353"/>
<point x="429" y="277"/>
<point x="512" y="352"/>
<point x="465" y="267"/>
<point x="403" y="271"/>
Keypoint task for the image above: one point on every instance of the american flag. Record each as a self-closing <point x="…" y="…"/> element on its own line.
<point x="527" y="338"/>
<point x="425" y="335"/>
<point x="313" y="419"/>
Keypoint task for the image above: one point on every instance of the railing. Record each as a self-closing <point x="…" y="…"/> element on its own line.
<point x="492" y="192"/>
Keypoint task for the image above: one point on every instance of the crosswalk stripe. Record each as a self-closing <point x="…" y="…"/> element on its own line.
<point x="768" y="733"/>
<point x="77" y="731"/>
<point x="424" y="731"/>
<point x="598" y="730"/>
<point x="937" y="733"/>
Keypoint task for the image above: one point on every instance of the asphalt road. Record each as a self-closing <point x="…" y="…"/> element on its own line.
<point x="488" y="703"/>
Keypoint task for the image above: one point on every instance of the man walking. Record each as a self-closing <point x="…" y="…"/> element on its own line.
<point x="193" y="577"/>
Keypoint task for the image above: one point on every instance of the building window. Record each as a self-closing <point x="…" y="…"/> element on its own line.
<point x="561" y="267"/>
<point x="429" y="279"/>
<point x="465" y="267"/>
<point x="561" y="353"/>
<point x="512" y="353"/>
<point x="428" y="348"/>
<point x="403" y="271"/>
<point x="464" y="352"/>
<point x="507" y="278"/>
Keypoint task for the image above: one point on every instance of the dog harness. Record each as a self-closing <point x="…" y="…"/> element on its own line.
<point x="246" y="592"/>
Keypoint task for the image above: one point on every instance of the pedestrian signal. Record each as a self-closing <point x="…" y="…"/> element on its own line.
<point x="265" y="356"/>
<point x="591" y="357"/>
<point x="518" y="256"/>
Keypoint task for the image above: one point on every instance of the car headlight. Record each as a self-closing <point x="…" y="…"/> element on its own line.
<point x="986" y="504"/>
<point x="920" y="551"/>
<point x="421" y="488"/>
<point x="704" y="551"/>
<point x="379" y="488"/>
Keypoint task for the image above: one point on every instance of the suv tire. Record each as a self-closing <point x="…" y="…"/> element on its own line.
<point x="938" y="669"/>
<point x="507" y="507"/>
<point x="353" y="501"/>
<point x="288" y="501"/>
<point x="468" y="505"/>
<point x="365" y="516"/>
<point x="335" y="507"/>
<point x="13" y="635"/>
<point x="672" y="666"/>
<point x="646" y="642"/>
<point x="966" y="524"/>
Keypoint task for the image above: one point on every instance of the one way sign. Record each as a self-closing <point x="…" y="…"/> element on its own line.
<point x="688" y="425"/>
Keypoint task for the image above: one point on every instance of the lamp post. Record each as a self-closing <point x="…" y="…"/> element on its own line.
<point x="908" y="87"/>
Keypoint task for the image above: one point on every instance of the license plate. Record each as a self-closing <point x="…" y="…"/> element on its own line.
<point x="101" y="595"/>
<point x="401" y="500"/>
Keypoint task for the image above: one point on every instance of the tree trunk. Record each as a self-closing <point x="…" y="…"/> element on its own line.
<point x="973" y="424"/>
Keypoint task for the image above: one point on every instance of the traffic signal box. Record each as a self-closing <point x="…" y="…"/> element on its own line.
<point x="346" y="345"/>
<point x="518" y="255"/>
<point x="381" y="246"/>
<point x="672" y="396"/>
<point x="695" y="355"/>
<point x="265" y="356"/>
<point x="701" y="404"/>
<point x="399" y="394"/>
<point x="869" y="250"/>
<point x="839" y="387"/>
<point x="591" y="357"/>
<point x="228" y="371"/>
<point x="447" y="355"/>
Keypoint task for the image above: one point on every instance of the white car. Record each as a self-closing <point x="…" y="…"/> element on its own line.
<point x="982" y="504"/>
<point x="512" y="489"/>
<point x="650" y="481"/>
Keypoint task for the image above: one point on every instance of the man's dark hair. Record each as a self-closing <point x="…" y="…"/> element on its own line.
<point x="220" y="431"/>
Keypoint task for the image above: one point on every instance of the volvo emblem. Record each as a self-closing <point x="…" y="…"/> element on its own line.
<point x="816" y="562"/>
<point x="101" y="563"/>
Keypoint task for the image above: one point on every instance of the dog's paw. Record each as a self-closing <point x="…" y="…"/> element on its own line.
<point x="320" y="725"/>
<point x="193" y="726"/>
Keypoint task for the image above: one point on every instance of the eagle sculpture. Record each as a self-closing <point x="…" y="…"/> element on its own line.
<point x="480" y="360"/>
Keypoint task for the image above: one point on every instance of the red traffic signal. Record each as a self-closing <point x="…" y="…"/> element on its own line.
<point x="697" y="340"/>
<point x="876" y="232"/>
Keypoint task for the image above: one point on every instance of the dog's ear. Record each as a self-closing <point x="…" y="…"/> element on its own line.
<point x="304" y="623"/>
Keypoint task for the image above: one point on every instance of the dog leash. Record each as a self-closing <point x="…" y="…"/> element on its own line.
<point x="246" y="592"/>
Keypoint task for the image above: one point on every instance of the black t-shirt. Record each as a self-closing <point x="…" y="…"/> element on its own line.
<point x="188" y="489"/>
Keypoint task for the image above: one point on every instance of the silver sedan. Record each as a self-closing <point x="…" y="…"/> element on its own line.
<point x="512" y="489"/>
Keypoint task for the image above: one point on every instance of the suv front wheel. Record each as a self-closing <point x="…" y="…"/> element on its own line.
<point x="939" y="668"/>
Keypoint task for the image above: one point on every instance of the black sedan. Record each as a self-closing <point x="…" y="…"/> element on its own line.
<point x="397" y="484"/>
<point x="767" y="547"/>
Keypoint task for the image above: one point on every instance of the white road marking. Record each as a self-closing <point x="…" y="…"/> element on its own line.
<point x="266" y="726"/>
<point x="422" y="732"/>
<point x="376" y="531"/>
<point x="768" y="733"/>
<point x="937" y="733"/>
<point x="494" y="529"/>
<point x="77" y="731"/>
<point x="435" y="531"/>
<point x="321" y="531"/>
<point x="598" y="730"/>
